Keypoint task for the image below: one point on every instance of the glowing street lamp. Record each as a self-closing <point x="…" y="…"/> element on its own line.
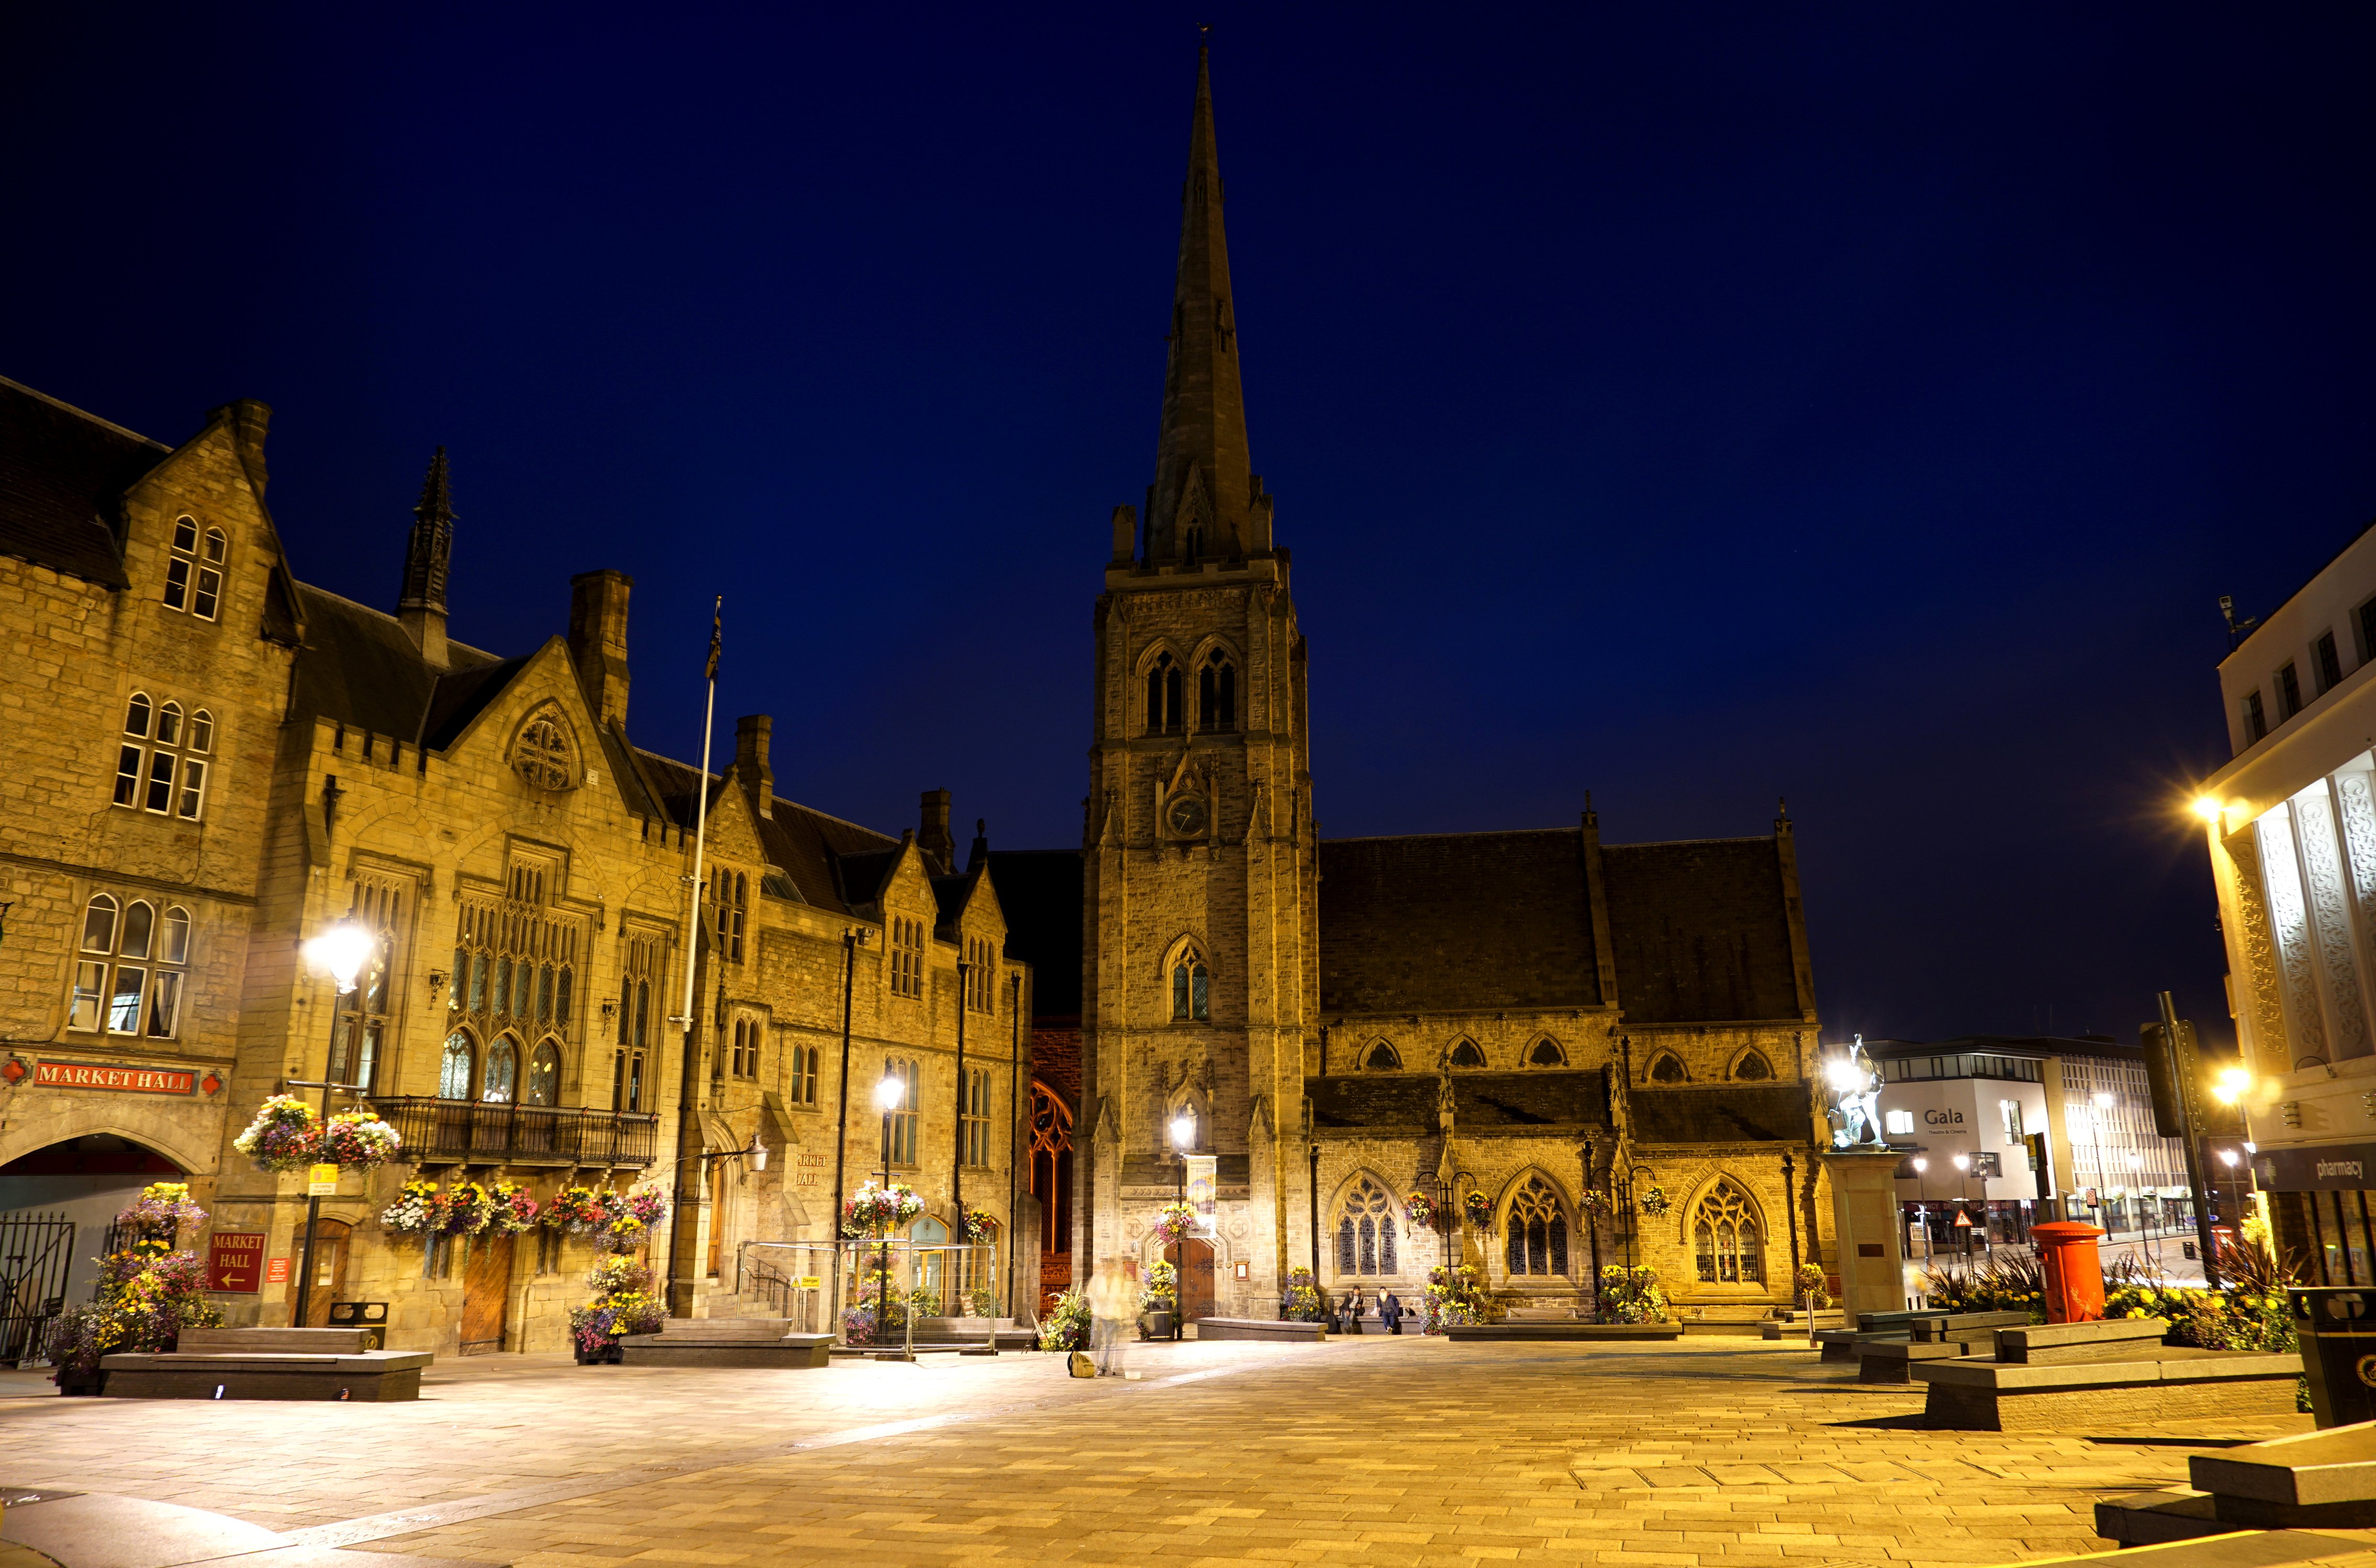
<point x="1922" y="1205"/>
<point x="2231" y="1085"/>
<point x="1184" y="1135"/>
<point x="2208" y="807"/>
<point x="343" y="950"/>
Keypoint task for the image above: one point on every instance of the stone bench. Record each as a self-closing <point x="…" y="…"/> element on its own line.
<point x="2318" y="1480"/>
<point x="1933" y="1340"/>
<point x="267" y="1363"/>
<point x="1844" y="1344"/>
<point x="1261" y="1328"/>
<point x="1970" y="1395"/>
<point x="726" y="1342"/>
<point x="1570" y="1330"/>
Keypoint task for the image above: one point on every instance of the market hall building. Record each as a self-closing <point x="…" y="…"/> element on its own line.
<point x="215" y="761"/>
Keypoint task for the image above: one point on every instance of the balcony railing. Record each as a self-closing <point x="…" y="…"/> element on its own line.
<point x="469" y="1131"/>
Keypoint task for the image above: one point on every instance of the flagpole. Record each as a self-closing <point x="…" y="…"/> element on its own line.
<point x="688" y="1079"/>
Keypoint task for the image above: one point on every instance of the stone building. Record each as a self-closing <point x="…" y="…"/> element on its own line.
<point x="1347" y="1023"/>
<point x="216" y="762"/>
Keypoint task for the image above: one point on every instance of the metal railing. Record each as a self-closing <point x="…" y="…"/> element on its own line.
<point x="472" y="1132"/>
<point x="36" y="1250"/>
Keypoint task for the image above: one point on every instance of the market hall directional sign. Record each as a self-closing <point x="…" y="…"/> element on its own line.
<point x="115" y="1076"/>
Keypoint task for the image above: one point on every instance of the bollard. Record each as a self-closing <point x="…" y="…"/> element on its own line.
<point x="2074" y="1275"/>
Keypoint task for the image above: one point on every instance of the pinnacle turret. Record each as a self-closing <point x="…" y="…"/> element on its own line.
<point x="422" y="606"/>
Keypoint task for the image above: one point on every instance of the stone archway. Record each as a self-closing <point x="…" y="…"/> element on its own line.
<point x="87" y="1178"/>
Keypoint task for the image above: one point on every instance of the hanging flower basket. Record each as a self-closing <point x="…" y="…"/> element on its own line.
<point x="468" y="1209"/>
<point x="1654" y="1201"/>
<point x="981" y="1225"/>
<point x="1479" y="1210"/>
<point x="357" y="1140"/>
<point x="875" y="1211"/>
<point x="1595" y="1200"/>
<point x="417" y="1211"/>
<point x="284" y="1135"/>
<point x="1420" y="1210"/>
<point x="1175" y="1222"/>
<point x="575" y="1210"/>
<point x="515" y="1209"/>
<point x="161" y="1210"/>
<point x="648" y="1205"/>
<point x="623" y="1234"/>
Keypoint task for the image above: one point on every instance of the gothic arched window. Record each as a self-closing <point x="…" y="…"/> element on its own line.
<point x="1466" y="1054"/>
<point x="1216" y="693"/>
<point x="1668" y="1069"/>
<point x="1725" y="1238"/>
<point x="1190" y="988"/>
<point x="1753" y="1065"/>
<point x="503" y="1072"/>
<point x="1381" y="1058"/>
<point x="1051" y="1167"/>
<point x="1167" y="707"/>
<point x="1537" y="1231"/>
<point x="542" y="755"/>
<point x="454" y="1073"/>
<point x="1365" y="1231"/>
<point x="543" y="1077"/>
<point x="1547" y="1053"/>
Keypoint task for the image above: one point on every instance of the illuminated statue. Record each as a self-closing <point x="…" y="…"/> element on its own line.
<point x="1855" y="1113"/>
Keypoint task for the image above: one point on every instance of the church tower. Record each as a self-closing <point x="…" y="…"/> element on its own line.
<point x="1201" y="964"/>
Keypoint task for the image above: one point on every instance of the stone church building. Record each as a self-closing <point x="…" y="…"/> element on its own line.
<point x="1350" y="1022"/>
<point x="215" y="761"/>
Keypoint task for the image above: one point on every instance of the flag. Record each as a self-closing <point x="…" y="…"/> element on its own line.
<point x="717" y="635"/>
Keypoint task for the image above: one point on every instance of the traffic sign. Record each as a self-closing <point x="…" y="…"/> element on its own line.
<point x="322" y="1181"/>
<point x="1963" y="1220"/>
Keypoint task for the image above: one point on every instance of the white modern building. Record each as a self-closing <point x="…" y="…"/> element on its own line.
<point x="2290" y="822"/>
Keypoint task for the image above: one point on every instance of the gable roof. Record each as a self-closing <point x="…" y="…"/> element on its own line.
<point x="812" y="850"/>
<point x="62" y="475"/>
<point x="1701" y="930"/>
<point x="359" y="667"/>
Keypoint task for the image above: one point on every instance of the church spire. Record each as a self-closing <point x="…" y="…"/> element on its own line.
<point x="421" y="608"/>
<point x="1204" y="501"/>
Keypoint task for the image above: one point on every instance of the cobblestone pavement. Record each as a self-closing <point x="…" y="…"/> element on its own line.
<point x="1376" y="1450"/>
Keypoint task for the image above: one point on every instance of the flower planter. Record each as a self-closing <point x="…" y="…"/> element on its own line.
<point x="87" y="1385"/>
<point x="609" y="1355"/>
<point x="1155" y="1325"/>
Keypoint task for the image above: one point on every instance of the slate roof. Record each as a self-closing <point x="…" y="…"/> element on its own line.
<point x="1454" y="921"/>
<point x="1041" y="893"/>
<point x="814" y="849"/>
<point x="359" y="668"/>
<point x="62" y="475"/>
<point x="1721" y="1114"/>
<point x="1701" y="931"/>
<point x="1371" y="1102"/>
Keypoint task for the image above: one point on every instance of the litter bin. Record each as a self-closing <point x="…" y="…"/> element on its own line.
<point x="2336" y="1325"/>
<point x="369" y="1317"/>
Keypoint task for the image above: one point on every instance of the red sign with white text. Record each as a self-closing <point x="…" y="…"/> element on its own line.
<point x="235" y="1260"/>
<point x="122" y="1080"/>
<point x="277" y="1272"/>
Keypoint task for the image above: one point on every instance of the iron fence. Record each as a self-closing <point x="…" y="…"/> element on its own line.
<point x="36" y="1250"/>
<point x="468" y="1131"/>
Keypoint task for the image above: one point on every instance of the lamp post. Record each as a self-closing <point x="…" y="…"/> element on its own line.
<point x="2103" y="1098"/>
<point x="887" y="1094"/>
<point x="1963" y="1164"/>
<point x="2145" y="1221"/>
<point x="1183" y="1133"/>
<point x="343" y="950"/>
<point x="1592" y="1226"/>
<point x="1922" y="1206"/>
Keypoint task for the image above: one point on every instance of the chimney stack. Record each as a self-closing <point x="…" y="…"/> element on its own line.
<point x="934" y="838"/>
<point x="598" y="641"/>
<point x="980" y="851"/>
<point x="249" y="419"/>
<point x="750" y="732"/>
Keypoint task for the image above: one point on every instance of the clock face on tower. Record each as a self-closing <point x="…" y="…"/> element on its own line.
<point x="1187" y="816"/>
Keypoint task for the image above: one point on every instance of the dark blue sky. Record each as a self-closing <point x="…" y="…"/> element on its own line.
<point x="1692" y="407"/>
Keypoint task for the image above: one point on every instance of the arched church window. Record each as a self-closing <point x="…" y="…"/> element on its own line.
<point x="454" y="1071"/>
<point x="1753" y="1065"/>
<point x="503" y="1072"/>
<point x="1365" y="1231"/>
<point x="1725" y="1238"/>
<point x="1051" y="1167"/>
<point x="1668" y="1069"/>
<point x="1191" y="989"/>
<point x="1464" y="1054"/>
<point x="542" y="754"/>
<point x="1216" y="693"/>
<point x="544" y="1076"/>
<point x="1547" y="1053"/>
<point x="1167" y="707"/>
<point x="1381" y="1058"/>
<point x="1537" y="1231"/>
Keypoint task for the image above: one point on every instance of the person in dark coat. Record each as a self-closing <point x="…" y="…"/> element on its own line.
<point x="1352" y="1311"/>
<point x="1390" y="1313"/>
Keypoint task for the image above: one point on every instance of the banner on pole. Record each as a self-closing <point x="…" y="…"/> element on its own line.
<point x="1200" y="1190"/>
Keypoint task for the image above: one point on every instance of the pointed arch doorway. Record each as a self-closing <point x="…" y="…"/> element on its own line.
<point x="1194" y="1259"/>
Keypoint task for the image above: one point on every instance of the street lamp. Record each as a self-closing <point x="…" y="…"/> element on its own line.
<point x="1922" y="1206"/>
<point x="343" y="950"/>
<point x="2103" y="1098"/>
<point x="887" y="1095"/>
<point x="1963" y="1163"/>
<point x="2145" y="1219"/>
<point x="1183" y="1135"/>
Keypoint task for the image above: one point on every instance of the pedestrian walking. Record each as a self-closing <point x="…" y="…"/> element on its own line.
<point x="1113" y="1303"/>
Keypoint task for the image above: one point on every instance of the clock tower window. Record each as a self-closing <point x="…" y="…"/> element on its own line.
<point x="1216" y="693"/>
<point x="1167" y="707"/>
<point x="1191" y="989"/>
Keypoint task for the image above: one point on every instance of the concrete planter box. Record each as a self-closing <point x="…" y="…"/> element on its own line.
<point x="2318" y="1480"/>
<point x="373" y="1376"/>
<point x="1261" y="1328"/>
<point x="726" y="1342"/>
<point x="1566" y="1331"/>
<point x="1976" y="1395"/>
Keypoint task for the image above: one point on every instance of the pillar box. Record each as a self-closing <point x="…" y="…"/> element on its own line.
<point x="1871" y="1237"/>
<point x="2074" y="1275"/>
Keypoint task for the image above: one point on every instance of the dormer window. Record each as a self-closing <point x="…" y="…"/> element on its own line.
<point x="194" y="572"/>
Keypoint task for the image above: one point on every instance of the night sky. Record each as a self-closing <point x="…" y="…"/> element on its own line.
<point x="1691" y="406"/>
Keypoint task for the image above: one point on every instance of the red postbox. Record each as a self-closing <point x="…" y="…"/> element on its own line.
<point x="2074" y="1274"/>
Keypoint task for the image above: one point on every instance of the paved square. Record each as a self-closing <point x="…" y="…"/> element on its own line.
<point x="1377" y="1450"/>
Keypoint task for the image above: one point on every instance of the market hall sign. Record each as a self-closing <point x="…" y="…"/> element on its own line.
<point x="2317" y="1167"/>
<point x="116" y="1078"/>
<point x="235" y="1260"/>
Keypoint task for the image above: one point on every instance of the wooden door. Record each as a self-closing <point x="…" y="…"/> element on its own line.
<point x="1196" y="1277"/>
<point x="330" y="1237"/>
<point x="717" y="1214"/>
<point x="486" y="1291"/>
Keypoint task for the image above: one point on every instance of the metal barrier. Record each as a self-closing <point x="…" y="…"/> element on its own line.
<point x="793" y="1280"/>
<point x="35" y="1252"/>
<point x="469" y="1131"/>
<point x="919" y="1275"/>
